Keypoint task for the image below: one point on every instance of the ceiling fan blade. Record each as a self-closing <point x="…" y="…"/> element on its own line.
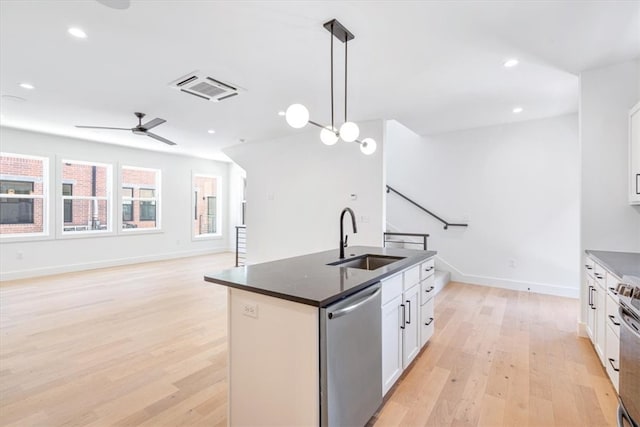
<point x="101" y="127"/>
<point x="153" y="123"/>
<point x="159" y="138"/>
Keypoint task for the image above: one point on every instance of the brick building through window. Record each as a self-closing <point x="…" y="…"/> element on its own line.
<point x="23" y="183"/>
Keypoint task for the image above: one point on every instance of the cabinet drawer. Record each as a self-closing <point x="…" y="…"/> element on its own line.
<point x="427" y="287"/>
<point x="411" y="277"/>
<point x="612" y="286"/>
<point x="612" y="359"/>
<point x="391" y="288"/>
<point x="427" y="268"/>
<point x="427" y="322"/>
<point x="589" y="266"/>
<point x="599" y="273"/>
<point x="612" y="319"/>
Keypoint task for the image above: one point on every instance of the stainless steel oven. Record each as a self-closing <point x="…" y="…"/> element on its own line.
<point x="629" y="391"/>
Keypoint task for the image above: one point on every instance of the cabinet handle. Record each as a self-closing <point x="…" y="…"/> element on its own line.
<point x="588" y="267"/>
<point x="613" y="320"/>
<point x="404" y="318"/>
<point x="429" y="290"/>
<point x="593" y="303"/>
<point x="613" y="290"/>
<point x="613" y="366"/>
<point x="599" y="277"/>
<point x="429" y="322"/>
<point x="409" y="304"/>
<point x="590" y="296"/>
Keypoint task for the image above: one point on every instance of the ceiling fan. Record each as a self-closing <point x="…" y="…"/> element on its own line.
<point x="141" y="129"/>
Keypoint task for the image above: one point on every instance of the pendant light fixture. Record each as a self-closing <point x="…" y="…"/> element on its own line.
<point x="297" y="115"/>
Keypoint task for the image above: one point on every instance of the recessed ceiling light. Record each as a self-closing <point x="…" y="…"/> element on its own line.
<point x="77" y="32"/>
<point x="281" y="113"/>
<point x="27" y="86"/>
<point x="211" y="131"/>
<point x="518" y="110"/>
<point x="509" y="63"/>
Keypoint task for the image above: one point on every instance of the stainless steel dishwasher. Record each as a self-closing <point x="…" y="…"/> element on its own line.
<point x="351" y="359"/>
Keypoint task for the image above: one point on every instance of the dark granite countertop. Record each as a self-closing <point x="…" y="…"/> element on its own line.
<point x="309" y="280"/>
<point x="619" y="263"/>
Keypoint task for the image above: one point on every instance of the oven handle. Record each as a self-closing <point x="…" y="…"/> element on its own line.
<point x="625" y="319"/>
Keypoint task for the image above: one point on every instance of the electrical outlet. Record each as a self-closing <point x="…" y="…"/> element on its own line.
<point x="250" y="310"/>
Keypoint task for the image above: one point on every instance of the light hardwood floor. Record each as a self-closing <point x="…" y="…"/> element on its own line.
<point x="146" y="345"/>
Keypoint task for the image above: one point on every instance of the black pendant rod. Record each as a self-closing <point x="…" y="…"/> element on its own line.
<point x="346" y="43"/>
<point x="332" y="125"/>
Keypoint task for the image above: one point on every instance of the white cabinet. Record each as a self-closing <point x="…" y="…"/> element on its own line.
<point x="599" y="298"/>
<point x="596" y="311"/>
<point x="612" y="340"/>
<point x="634" y="155"/>
<point x="426" y="321"/>
<point x="404" y="311"/>
<point x="391" y="343"/>
<point x="603" y="324"/>
<point x="427" y="290"/>
<point x="411" y="330"/>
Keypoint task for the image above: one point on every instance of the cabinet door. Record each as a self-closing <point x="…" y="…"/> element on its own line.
<point x="411" y="332"/>
<point x="634" y="155"/>
<point x="426" y="322"/>
<point x="591" y="311"/>
<point x="612" y="362"/>
<point x="391" y="343"/>
<point x="601" y="313"/>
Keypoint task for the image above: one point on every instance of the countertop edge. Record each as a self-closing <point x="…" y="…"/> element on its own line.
<point x="606" y="264"/>
<point x="416" y="259"/>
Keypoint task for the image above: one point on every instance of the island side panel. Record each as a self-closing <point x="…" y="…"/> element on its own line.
<point x="274" y="376"/>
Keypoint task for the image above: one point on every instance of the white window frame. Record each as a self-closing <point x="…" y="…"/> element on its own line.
<point x="156" y="199"/>
<point x="218" y="233"/>
<point x="16" y="237"/>
<point x="108" y="198"/>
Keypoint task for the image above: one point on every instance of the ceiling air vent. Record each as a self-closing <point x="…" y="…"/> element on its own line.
<point x="205" y="87"/>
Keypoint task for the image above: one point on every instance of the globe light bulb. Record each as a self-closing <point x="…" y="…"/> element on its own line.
<point x="328" y="136"/>
<point x="349" y="131"/>
<point x="368" y="146"/>
<point x="297" y="116"/>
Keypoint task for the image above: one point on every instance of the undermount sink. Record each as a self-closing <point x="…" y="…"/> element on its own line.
<point x="367" y="262"/>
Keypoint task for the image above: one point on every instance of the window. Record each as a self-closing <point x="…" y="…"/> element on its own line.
<point x="148" y="207"/>
<point x="206" y="205"/>
<point x="23" y="195"/>
<point x="88" y="202"/>
<point x="140" y="198"/>
<point x="67" y="190"/>
<point x="127" y="204"/>
<point x="16" y="210"/>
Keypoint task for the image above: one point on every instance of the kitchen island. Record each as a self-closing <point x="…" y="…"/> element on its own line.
<point x="276" y="335"/>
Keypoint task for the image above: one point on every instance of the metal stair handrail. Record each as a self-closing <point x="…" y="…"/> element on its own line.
<point x="446" y="223"/>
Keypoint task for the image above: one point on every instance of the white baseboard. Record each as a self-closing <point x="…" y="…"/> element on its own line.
<point x="46" y="271"/>
<point x="497" y="282"/>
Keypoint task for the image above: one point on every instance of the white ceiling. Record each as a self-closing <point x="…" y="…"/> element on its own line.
<point x="435" y="66"/>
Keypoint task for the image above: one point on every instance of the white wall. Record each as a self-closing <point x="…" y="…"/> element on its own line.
<point x="297" y="187"/>
<point x="608" y="222"/>
<point x="51" y="255"/>
<point x="517" y="187"/>
<point x="606" y="96"/>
